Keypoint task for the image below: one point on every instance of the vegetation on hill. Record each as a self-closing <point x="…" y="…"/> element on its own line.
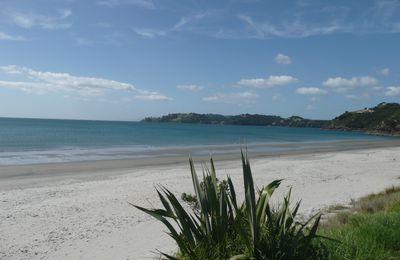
<point x="244" y="119"/>
<point x="382" y="119"/>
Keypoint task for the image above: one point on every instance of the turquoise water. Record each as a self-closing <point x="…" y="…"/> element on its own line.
<point x="44" y="140"/>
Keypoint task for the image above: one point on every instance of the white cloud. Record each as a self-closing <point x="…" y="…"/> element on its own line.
<point x="357" y="97"/>
<point x="311" y="91"/>
<point x="190" y="87"/>
<point x="296" y="22"/>
<point x="384" y="72"/>
<point x="8" y="37"/>
<point x="392" y="91"/>
<point x="23" y="21"/>
<point x="295" y="29"/>
<point x="12" y="69"/>
<point x="343" y="84"/>
<point x="283" y="59"/>
<point x="381" y="16"/>
<point x="150" y="33"/>
<point x="246" y="97"/>
<point x="32" y="81"/>
<point x="113" y="3"/>
<point x="189" y="19"/>
<point x="182" y="25"/>
<point x="153" y="97"/>
<point x="31" y="20"/>
<point x="269" y="82"/>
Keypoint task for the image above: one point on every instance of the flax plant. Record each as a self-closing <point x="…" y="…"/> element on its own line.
<point x="220" y="228"/>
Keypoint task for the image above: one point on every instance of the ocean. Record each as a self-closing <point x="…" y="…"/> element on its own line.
<point x="26" y="141"/>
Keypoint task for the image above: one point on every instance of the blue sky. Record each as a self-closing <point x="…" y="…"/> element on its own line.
<point x="127" y="59"/>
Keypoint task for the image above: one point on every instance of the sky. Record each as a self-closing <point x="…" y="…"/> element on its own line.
<point x="128" y="59"/>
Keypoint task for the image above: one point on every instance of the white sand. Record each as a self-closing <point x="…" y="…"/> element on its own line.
<point x="88" y="218"/>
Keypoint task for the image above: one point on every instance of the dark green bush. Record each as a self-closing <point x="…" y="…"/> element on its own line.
<point x="223" y="229"/>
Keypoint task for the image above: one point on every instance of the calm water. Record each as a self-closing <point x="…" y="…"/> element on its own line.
<point x="41" y="140"/>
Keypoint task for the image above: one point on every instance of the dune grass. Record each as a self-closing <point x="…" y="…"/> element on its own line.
<point x="370" y="229"/>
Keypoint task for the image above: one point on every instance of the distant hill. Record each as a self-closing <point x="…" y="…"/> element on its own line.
<point x="244" y="119"/>
<point x="384" y="119"/>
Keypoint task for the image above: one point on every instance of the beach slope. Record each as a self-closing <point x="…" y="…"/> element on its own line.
<point x="84" y="214"/>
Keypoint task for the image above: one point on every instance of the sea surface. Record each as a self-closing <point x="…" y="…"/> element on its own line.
<point x="26" y="141"/>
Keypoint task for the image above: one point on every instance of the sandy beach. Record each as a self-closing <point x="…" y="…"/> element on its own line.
<point x="80" y="210"/>
<point x="107" y="105"/>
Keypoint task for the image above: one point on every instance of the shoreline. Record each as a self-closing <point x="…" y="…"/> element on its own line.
<point x="80" y="210"/>
<point x="182" y="154"/>
<point x="41" y="174"/>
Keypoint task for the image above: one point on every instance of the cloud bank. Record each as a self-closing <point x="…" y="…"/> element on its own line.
<point x="311" y="91"/>
<point x="269" y="82"/>
<point x="246" y="97"/>
<point x="8" y="37"/>
<point x="32" y="20"/>
<point x="32" y="81"/>
<point x="341" y="84"/>
<point x="190" y="87"/>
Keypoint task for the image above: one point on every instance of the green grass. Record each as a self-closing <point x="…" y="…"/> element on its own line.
<point x="382" y="201"/>
<point x="368" y="230"/>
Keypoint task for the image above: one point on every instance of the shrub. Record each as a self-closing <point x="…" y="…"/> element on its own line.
<point x="220" y="228"/>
